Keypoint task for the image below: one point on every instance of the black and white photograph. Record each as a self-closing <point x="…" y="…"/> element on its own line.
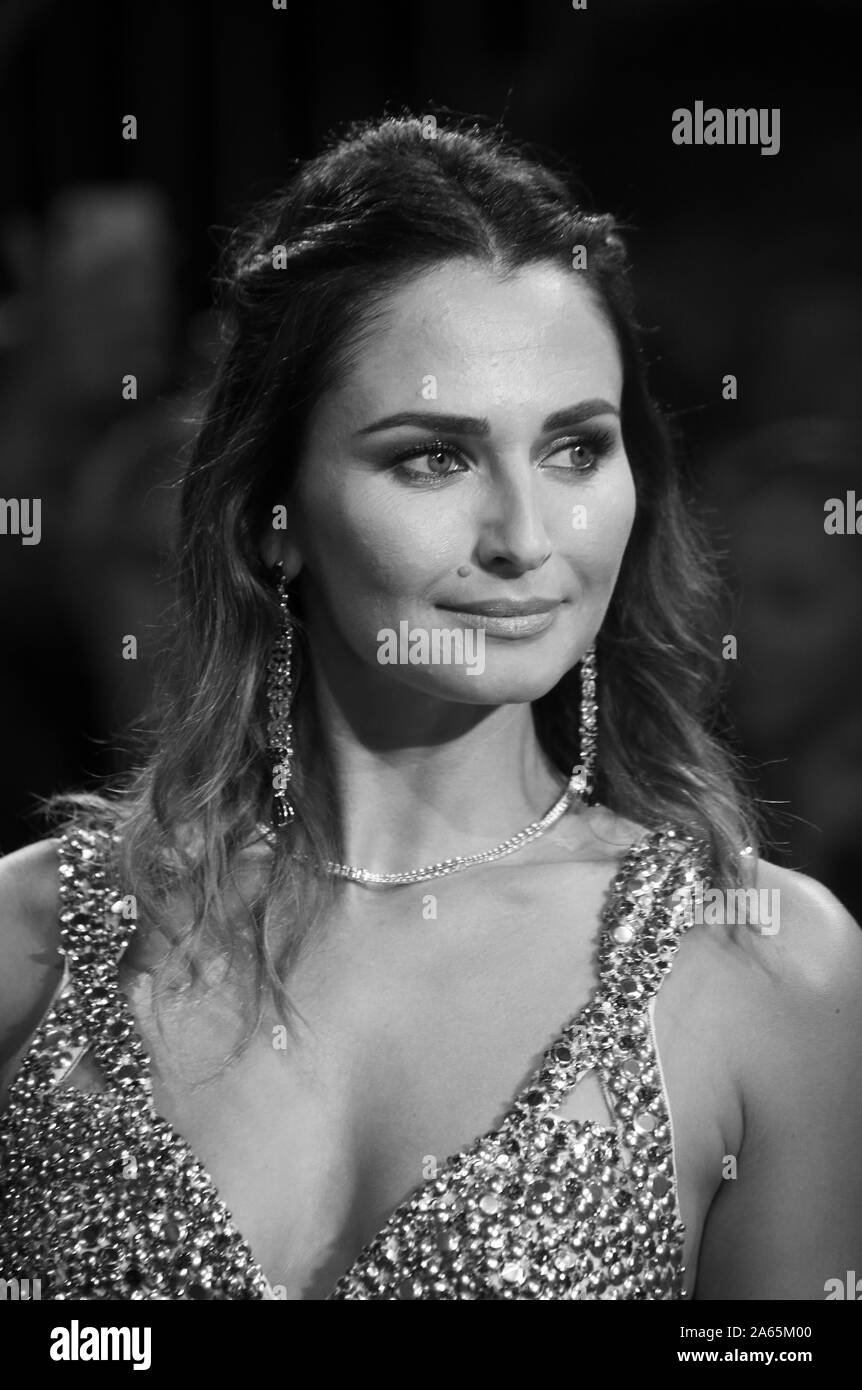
<point x="431" y="633"/>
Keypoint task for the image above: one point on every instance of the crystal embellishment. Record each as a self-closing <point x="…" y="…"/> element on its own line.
<point x="101" y="1199"/>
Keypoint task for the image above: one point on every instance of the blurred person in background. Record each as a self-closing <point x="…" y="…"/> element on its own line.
<point x="95" y="302"/>
<point x="795" y="683"/>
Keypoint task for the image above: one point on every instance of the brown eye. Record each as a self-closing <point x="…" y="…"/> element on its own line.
<point x="441" y="458"/>
<point x="586" y="453"/>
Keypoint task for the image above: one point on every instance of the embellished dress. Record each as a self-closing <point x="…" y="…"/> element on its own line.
<point x="101" y="1199"/>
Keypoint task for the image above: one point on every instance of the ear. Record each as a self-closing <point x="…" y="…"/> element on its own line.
<point x="277" y="543"/>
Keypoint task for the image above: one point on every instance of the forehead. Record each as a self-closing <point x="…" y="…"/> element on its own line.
<point x="522" y="339"/>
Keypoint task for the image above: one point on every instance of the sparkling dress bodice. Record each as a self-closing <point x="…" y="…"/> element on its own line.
<point x="101" y="1199"/>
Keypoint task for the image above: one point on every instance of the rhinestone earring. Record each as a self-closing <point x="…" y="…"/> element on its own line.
<point x="584" y="775"/>
<point x="279" y="694"/>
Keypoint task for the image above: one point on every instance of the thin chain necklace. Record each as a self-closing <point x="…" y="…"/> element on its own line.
<point x="574" y="788"/>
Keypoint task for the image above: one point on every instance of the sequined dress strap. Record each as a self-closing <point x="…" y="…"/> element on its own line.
<point x="96" y="925"/>
<point x="613" y="1034"/>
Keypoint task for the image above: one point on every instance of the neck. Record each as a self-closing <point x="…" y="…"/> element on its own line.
<point x="419" y="780"/>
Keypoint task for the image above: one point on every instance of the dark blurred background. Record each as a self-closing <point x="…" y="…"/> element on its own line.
<point x="745" y="264"/>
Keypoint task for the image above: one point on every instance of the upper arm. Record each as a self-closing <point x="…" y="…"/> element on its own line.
<point x="30" y="962"/>
<point x="791" y="1218"/>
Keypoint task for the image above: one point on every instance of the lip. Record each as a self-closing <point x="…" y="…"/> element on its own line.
<point x="505" y="607"/>
<point x="510" y="626"/>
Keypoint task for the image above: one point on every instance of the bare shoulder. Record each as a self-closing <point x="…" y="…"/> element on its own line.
<point x="802" y="985"/>
<point x="784" y="958"/>
<point x="30" y="963"/>
<point x="786" y="993"/>
<point x="799" y="942"/>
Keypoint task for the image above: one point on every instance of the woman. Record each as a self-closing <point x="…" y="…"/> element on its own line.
<point x="366" y="986"/>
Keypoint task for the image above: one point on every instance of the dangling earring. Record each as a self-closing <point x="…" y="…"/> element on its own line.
<point x="584" y="776"/>
<point x="279" y="694"/>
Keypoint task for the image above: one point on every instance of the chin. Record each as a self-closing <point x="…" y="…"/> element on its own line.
<point x="493" y="686"/>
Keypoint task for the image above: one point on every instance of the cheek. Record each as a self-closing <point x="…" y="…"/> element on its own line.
<point x="597" y="526"/>
<point x="371" y="546"/>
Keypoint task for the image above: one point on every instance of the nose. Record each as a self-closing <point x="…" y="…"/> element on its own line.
<point x="512" y="521"/>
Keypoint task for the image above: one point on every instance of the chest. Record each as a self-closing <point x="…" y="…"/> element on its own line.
<point x="417" y="1025"/>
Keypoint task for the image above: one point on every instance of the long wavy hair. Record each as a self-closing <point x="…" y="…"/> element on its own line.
<point x="298" y="282"/>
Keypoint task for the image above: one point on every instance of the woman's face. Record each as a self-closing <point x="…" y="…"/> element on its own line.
<point x="506" y="395"/>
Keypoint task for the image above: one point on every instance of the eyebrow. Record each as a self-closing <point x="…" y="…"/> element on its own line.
<point x="566" y="418"/>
